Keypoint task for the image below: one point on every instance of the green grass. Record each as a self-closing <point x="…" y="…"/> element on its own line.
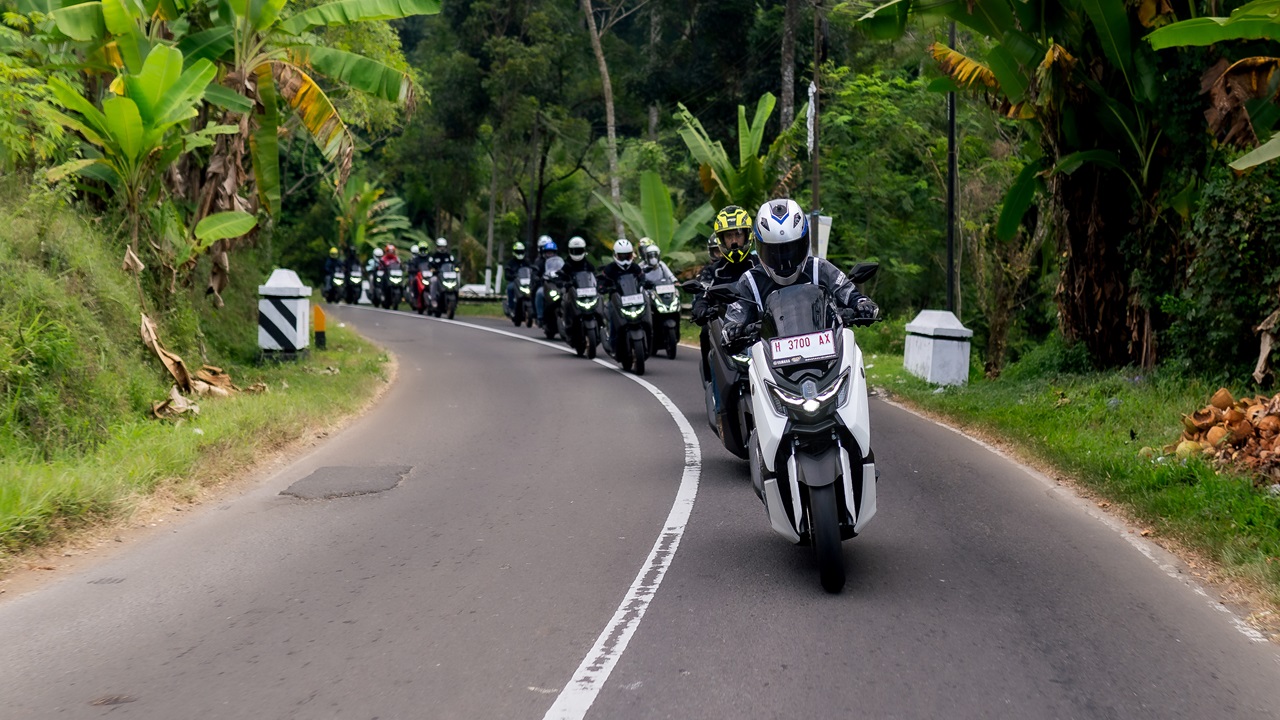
<point x="1091" y="425"/>
<point x="77" y="441"/>
<point x="479" y="309"/>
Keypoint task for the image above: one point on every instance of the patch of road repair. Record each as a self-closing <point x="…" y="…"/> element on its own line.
<point x="576" y="698"/>
<point x="327" y="483"/>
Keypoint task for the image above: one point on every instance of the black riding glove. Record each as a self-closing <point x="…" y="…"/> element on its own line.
<point x="864" y="310"/>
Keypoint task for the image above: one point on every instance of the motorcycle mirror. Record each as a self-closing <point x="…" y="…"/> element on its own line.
<point x="693" y="287"/>
<point x="863" y="272"/>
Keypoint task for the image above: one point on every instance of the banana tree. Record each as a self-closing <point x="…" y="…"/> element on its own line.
<point x="367" y="216"/>
<point x="755" y="178"/>
<point x="268" y="59"/>
<point x="1078" y="74"/>
<point x="138" y="133"/>
<point x="1244" y="93"/>
<point x="655" y="216"/>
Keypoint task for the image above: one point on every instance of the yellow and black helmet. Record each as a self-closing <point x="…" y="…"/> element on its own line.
<point x="733" y="233"/>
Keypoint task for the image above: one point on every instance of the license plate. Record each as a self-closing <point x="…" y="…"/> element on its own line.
<point x="633" y="299"/>
<point x="396" y="274"/>
<point x="803" y="348"/>
<point x="449" y="275"/>
<point x="665" y="289"/>
<point x="584" y="293"/>
<point x="524" y="281"/>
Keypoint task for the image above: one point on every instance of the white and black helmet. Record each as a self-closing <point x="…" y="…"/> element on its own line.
<point x="442" y="243"/>
<point x="623" y="253"/>
<point x="542" y="242"/>
<point x="577" y="248"/>
<point x="782" y="239"/>
<point x="377" y="252"/>
<point x="652" y="256"/>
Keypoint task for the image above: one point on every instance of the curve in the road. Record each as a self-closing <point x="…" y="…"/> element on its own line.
<point x="576" y="698"/>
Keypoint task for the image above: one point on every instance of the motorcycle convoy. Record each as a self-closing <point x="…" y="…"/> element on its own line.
<point x="783" y="380"/>
<point x="428" y="283"/>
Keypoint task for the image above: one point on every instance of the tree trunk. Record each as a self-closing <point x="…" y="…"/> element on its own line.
<point x="615" y="191"/>
<point x="787" y="99"/>
<point x="1093" y="296"/>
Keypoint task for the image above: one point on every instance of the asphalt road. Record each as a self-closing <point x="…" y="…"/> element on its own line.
<point x="511" y="494"/>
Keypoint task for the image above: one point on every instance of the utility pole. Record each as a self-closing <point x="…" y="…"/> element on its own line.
<point x="951" y="191"/>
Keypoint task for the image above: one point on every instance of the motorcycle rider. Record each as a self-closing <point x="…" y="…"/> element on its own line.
<point x="655" y="270"/>
<point x="730" y="248"/>
<point x="389" y="256"/>
<point x="440" y="255"/>
<point x="549" y="250"/>
<point x="510" y="269"/>
<point x="623" y="264"/>
<point x="577" y="261"/>
<point x="782" y="241"/>
<point x="331" y="267"/>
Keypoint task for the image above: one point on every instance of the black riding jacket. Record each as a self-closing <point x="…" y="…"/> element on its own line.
<point x="438" y="258"/>
<point x="573" y="267"/>
<point x="720" y="272"/>
<point x="512" y="266"/>
<point x="610" y="273"/>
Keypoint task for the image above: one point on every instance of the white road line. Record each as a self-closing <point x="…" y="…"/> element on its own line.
<point x="577" y="696"/>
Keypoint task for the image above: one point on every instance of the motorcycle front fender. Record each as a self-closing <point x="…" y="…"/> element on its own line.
<point x="590" y="322"/>
<point x="670" y="323"/>
<point x="820" y="469"/>
<point x="636" y="333"/>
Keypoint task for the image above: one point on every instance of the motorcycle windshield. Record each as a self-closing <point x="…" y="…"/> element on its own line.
<point x="584" y="279"/>
<point x="554" y="264"/>
<point x="525" y="273"/>
<point x="629" y="290"/>
<point x="797" y="327"/>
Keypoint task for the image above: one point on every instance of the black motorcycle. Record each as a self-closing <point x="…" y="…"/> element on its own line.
<point x="333" y="285"/>
<point x="551" y="295"/>
<point x="444" y="290"/>
<point x="664" y="300"/>
<point x="352" y="286"/>
<point x="731" y="421"/>
<point x="392" y="286"/>
<point x="630" y="320"/>
<point x="578" y="314"/>
<point x="522" y="312"/>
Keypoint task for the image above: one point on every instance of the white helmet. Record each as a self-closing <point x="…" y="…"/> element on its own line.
<point x="442" y="243"/>
<point x="623" y="253"/>
<point x="414" y="249"/>
<point x="652" y="254"/>
<point x="782" y="239"/>
<point x="377" y="252"/>
<point x="577" y="248"/>
<point x="542" y="242"/>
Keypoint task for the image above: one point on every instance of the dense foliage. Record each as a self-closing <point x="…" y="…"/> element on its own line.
<point x="1093" y="198"/>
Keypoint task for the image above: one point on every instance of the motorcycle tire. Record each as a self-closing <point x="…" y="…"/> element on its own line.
<point x="637" y="352"/>
<point x="453" y="308"/>
<point x="673" y="339"/>
<point x="592" y="342"/>
<point x="824" y="526"/>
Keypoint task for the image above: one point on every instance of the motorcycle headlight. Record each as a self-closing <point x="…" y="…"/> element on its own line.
<point x="555" y="295"/>
<point x="587" y="304"/>
<point x="812" y="399"/>
<point x="450" y="284"/>
<point x="673" y="306"/>
<point x="338" y="281"/>
<point x="632" y="313"/>
<point x="742" y="359"/>
<point x="524" y="289"/>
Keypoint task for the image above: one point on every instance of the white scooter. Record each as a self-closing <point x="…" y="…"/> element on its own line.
<point x="810" y="450"/>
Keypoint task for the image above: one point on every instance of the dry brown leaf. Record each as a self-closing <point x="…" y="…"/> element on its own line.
<point x="172" y="362"/>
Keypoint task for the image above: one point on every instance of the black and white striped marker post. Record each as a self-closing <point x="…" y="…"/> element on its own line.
<point x="283" y="315"/>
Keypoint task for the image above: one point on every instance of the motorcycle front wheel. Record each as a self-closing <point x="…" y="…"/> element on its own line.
<point x="453" y="308"/>
<point x="637" y="352"/>
<point x="824" y="526"/>
<point x="673" y="339"/>
<point x="593" y="339"/>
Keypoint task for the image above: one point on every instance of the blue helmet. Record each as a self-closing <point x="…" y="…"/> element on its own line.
<point x="550" y="245"/>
